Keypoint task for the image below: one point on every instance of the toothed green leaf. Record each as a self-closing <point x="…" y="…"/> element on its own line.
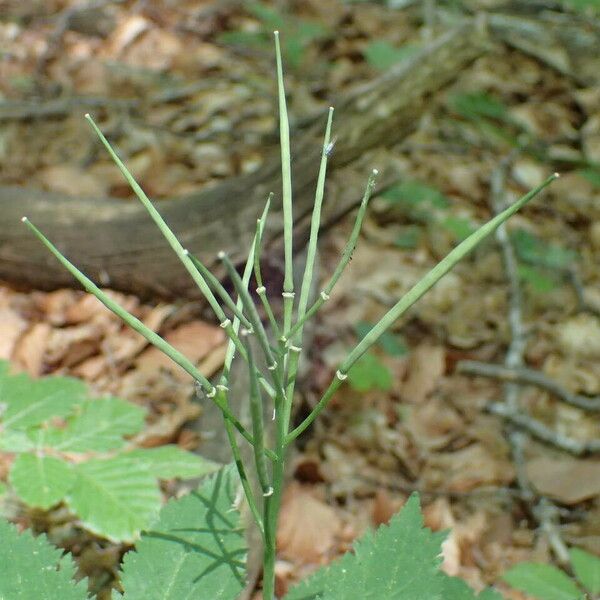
<point x="195" y="549"/>
<point x="41" y="481"/>
<point x="168" y="462"/>
<point x="30" y="402"/>
<point x="99" y="426"/>
<point x="399" y="562"/>
<point x="32" y="569"/>
<point x="114" y="498"/>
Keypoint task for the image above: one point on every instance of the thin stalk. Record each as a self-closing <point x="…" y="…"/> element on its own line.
<point x="272" y="507"/>
<point x="261" y="290"/>
<point x="254" y="319"/>
<point x="246" y="486"/>
<point x="286" y="176"/>
<point x="216" y="286"/>
<point x="414" y="294"/>
<point x="229" y="355"/>
<point x="171" y="239"/>
<point x="294" y="356"/>
<point x="133" y="322"/>
<point x="257" y="415"/>
<point x="344" y="260"/>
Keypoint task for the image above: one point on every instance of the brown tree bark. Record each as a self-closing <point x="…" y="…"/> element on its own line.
<point x="117" y="244"/>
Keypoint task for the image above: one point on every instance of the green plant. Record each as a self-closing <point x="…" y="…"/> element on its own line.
<point x="71" y="448"/>
<point x="298" y="33"/>
<point x="201" y="528"/>
<point x="546" y="582"/>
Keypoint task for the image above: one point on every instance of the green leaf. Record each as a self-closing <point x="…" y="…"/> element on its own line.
<point x="592" y="175"/>
<point x="30" y="402"/>
<point x="99" y="426"/>
<point x="409" y="237"/>
<point x="32" y="569"/>
<point x="244" y="38"/>
<point x="476" y="105"/>
<point x="460" y="227"/>
<point x="392" y="344"/>
<point x="114" y="498"/>
<point x="587" y="569"/>
<point x="538" y="281"/>
<point x="41" y="481"/>
<point x="168" y="462"/>
<point x="456" y="589"/>
<point x="545" y="582"/>
<point x="195" y="549"/>
<point x="382" y="55"/>
<point x="417" y="199"/>
<point x="533" y="250"/>
<point x="369" y="373"/>
<point x="16" y="441"/>
<point x="399" y="562"/>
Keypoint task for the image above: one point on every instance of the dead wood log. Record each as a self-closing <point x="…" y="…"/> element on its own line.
<point x="116" y="243"/>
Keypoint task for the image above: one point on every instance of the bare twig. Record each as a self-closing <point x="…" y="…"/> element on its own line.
<point x="527" y="376"/>
<point x="514" y="360"/>
<point x="544" y="433"/>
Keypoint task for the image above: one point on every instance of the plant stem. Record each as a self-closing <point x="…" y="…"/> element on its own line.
<point x="272" y="505"/>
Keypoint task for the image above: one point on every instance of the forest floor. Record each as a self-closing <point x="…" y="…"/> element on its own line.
<point x="186" y="91"/>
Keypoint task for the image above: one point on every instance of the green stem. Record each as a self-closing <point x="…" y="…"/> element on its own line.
<point x="414" y="294"/>
<point x="286" y="177"/>
<point x="344" y="260"/>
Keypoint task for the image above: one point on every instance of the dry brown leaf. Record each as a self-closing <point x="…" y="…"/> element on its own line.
<point x="195" y="339"/>
<point x="68" y="346"/>
<point x="307" y="526"/>
<point x="466" y="469"/>
<point x="12" y="325"/>
<point x="73" y="181"/>
<point x="580" y="336"/>
<point x="434" y="424"/>
<point x="566" y="480"/>
<point x="384" y="507"/>
<point x="30" y="350"/>
<point x="427" y="365"/>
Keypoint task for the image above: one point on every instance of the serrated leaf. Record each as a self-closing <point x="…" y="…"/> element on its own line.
<point x="114" y="498"/>
<point x="168" y="462"/>
<point x="41" y="481"/>
<point x="32" y="569"/>
<point x="30" y="402"/>
<point x="99" y="426"/>
<point x="399" y="562"/>
<point x="195" y="549"/>
<point x="544" y="582"/>
<point x="369" y="373"/>
<point x="587" y="569"/>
